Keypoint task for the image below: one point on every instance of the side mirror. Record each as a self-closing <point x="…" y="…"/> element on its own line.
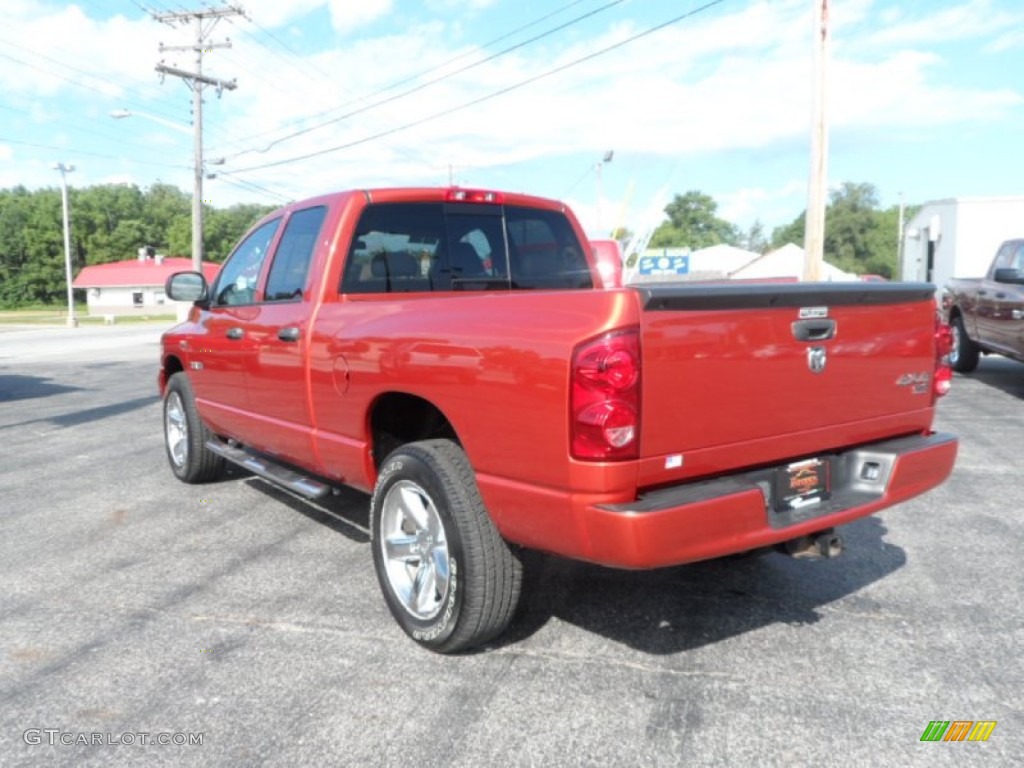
<point x="187" y="286"/>
<point x="1005" y="275"/>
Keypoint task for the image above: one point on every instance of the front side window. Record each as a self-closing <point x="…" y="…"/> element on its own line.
<point x="1004" y="258"/>
<point x="290" y="268"/>
<point x="236" y="283"/>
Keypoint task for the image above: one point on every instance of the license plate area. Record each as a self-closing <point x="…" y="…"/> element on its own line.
<point x="801" y="484"/>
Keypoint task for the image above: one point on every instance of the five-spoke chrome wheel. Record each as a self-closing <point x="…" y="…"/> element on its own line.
<point x="185" y="434"/>
<point x="415" y="549"/>
<point x="176" y="430"/>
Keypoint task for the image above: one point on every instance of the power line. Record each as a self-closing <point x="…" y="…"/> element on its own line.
<point x="405" y="80"/>
<point x="494" y="94"/>
<point x="434" y="81"/>
<point x="235" y="181"/>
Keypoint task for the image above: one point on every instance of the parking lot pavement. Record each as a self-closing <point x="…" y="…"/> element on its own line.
<point x="236" y="615"/>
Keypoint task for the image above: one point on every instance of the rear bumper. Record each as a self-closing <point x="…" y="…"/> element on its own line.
<point x="702" y="520"/>
<point x="720" y="517"/>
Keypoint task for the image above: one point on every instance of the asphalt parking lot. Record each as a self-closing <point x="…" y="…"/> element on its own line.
<point x="236" y="615"/>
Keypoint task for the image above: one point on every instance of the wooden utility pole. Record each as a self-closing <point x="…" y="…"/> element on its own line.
<point x="814" y="231"/>
<point x="204" y="20"/>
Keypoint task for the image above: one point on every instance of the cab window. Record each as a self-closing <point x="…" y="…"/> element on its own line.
<point x="236" y="283"/>
<point x="290" y="268"/>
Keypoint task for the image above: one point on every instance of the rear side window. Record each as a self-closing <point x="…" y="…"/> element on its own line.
<point x="423" y="247"/>
<point x="288" y="272"/>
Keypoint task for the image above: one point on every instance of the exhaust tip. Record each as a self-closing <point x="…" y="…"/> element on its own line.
<point x="829" y="545"/>
<point x="824" y="545"/>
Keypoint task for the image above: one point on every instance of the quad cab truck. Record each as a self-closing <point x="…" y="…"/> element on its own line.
<point x="455" y="353"/>
<point x="986" y="314"/>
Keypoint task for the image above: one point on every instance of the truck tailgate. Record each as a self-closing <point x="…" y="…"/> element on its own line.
<point x="728" y="365"/>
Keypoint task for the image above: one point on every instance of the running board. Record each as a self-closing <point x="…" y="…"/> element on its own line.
<point x="270" y="470"/>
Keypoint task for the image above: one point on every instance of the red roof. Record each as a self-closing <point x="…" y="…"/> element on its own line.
<point x="135" y="273"/>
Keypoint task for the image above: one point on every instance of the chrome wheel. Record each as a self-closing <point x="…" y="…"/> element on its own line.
<point x="176" y="430"/>
<point x="414" y="547"/>
<point x="954" y="352"/>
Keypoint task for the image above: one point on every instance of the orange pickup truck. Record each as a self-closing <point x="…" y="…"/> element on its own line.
<point x="455" y="353"/>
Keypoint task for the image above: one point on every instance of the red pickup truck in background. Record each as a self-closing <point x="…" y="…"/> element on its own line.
<point x="456" y="353"/>
<point x="987" y="314"/>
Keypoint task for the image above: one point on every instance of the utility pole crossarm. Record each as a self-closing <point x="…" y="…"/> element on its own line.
<point x="229" y="85"/>
<point x="206" y="13"/>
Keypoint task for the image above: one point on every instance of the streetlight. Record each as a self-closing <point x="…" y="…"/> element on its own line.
<point x="197" y="191"/>
<point x="607" y="159"/>
<point x="64" y="171"/>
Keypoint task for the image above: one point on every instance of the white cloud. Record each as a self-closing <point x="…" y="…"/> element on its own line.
<point x="271" y="14"/>
<point x="347" y="15"/>
<point x="972" y="19"/>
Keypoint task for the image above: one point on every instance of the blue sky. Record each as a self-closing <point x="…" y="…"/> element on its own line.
<point x="926" y="98"/>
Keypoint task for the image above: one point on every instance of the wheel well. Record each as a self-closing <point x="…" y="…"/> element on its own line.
<point x="398" y="418"/>
<point x="172" y="365"/>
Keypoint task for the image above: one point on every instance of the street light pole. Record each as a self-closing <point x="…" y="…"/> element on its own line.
<point x="64" y="171"/>
<point x="600" y="193"/>
<point x="197" y="115"/>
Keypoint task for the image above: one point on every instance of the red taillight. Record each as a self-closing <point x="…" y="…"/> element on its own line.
<point x="943" y="379"/>
<point x="474" y="196"/>
<point x="605" y="397"/>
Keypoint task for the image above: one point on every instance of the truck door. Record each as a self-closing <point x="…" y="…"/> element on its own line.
<point x="219" y="362"/>
<point x="997" y="301"/>
<point x="278" y="333"/>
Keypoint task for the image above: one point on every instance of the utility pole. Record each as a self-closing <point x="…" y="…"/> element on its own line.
<point x="64" y="171"/>
<point x="814" y="231"/>
<point x="203" y="22"/>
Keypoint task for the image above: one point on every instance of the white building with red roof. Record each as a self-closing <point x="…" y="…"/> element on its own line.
<point x="134" y="287"/>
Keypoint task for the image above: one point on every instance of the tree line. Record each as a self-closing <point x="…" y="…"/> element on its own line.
<point x="111" y="222"/>
<point x="108" y="223"/>
<point x="860" y="237"/>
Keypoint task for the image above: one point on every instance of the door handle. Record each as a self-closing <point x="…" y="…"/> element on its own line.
<point x="235" y="334"/>
<point x="288" y="334"/>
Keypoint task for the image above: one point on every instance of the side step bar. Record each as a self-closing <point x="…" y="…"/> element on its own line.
<point x="270" y="470"/>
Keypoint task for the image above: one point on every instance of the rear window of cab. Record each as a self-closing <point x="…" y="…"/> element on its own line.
<point x="453" y="246"/>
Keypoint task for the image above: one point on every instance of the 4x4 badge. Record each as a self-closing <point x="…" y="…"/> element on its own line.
<point x="816" y="359"/>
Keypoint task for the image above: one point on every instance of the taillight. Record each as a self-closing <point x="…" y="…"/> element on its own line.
<point x="943" y="379"/>
<point x="605" y="397"/>
<point x="474" y="196"/>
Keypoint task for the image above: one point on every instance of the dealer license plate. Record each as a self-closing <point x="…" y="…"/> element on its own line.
<point x="801" y="484"/>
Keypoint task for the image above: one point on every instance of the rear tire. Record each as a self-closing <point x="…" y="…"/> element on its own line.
<point x="448" y="577"/>
<point x="185" y="435"/>
<point x="963" y="357"/>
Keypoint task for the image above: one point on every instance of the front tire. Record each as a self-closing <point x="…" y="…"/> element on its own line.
<point x="448" y="577"/>
<point x="963" y="357"/>
<point x="185" y="435"/>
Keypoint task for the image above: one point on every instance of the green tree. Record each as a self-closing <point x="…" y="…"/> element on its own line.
<point x="108" y="223"/>
<point x="693" y="222"/>
<point x="755" y="239"/>
<point x="859" y="237"/>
